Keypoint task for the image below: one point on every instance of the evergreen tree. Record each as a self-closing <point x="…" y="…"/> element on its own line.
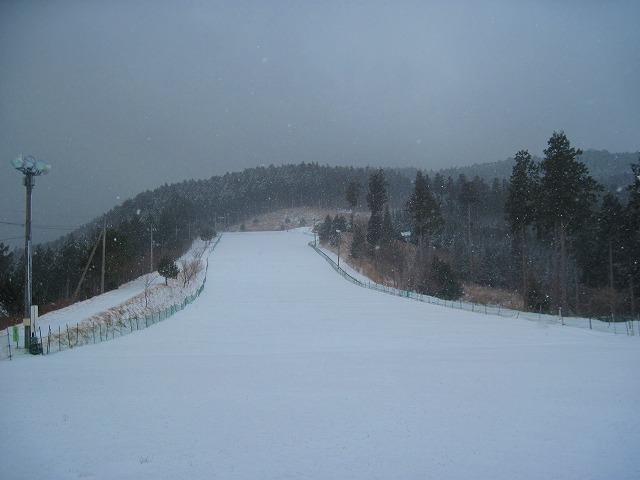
<point x="167" y="268"/>
<point x="9" y="293"/>
<point x="388" y="233"/>
<point x="44" y="283"/>
<point x="424" y="210"/>
<point x="444" y="283"/>
<point x="567" y="193"/>
<point x="519" y="206"/>
<point x="468" y="196"/>
<point x="6" y="263"/>
<point x="339" y="223"/>
<point x="426" y="219"/>
<point x="359" y="241"/>
<point x="634" y="195"/>
<point x="338" y="226"/>
<point x="611" y="222"/>
<point x="326" y="229"/>
<point x="207" y="234"/>
<point x="536" y="300"/>
<point x="353" y="193"/>
<point x="376" y="198"/>
<point x="119" y="258"/>
<point x="632" y="236"/>
<point x="69" y="265"/>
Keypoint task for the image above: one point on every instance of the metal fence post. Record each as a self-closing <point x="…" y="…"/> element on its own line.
<point x="9" y="342"/>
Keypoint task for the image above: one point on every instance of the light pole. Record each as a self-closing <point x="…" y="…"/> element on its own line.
<point x="31" y="168"/>
<point x="315" y="238"/>
<point x="339" y="242"/>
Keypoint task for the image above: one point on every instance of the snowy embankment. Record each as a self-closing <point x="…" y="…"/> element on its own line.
<point x="136" y="299"/>
<point x="282" y="369"/>
<point x="348" y="272"/>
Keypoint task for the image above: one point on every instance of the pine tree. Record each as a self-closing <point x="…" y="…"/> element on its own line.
<point x="632" y="236"/>
<point x="611" y="222"/>
<point x="634" y="195"/>
<point x="207" y="234"/>
<point x="167" y="268"/>
<point x="426" y="219"/>
<point x="468" y="196"/>
<point x="353" y="194"/>
<point x="444" y="283"/>
<point x="388" y="233"/>
<point x="519" y="207"/>
<point x="376" y="198"/>
<point x="358" y="242"/>
<point x="8" y="293"/>
<point x="326" y="228"/>
<point x="567" y="193"/>
<point x="339" y="223"/>
<point x="425" y="212"/>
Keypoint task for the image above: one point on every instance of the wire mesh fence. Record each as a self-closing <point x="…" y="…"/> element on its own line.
<point x="616" y="326"/>
<point x="96" y="329"/>
<point x="84" y="333"/>
<point x="5" y="343"/>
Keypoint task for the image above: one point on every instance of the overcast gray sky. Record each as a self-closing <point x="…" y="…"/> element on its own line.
<point x="121" y="96"/>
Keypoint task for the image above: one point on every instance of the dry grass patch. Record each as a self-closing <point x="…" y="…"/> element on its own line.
<point x="497" y="297"/>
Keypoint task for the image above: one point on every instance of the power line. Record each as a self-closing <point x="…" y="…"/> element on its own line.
<point x="44" y="227"/>
<point x="56" y="227"/>
<point x="7" y="239"/>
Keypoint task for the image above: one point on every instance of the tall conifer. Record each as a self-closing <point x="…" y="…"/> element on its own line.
<point x="567" y="193"/>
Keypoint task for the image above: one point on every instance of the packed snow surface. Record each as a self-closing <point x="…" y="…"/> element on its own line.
<point x="282" y="369"/>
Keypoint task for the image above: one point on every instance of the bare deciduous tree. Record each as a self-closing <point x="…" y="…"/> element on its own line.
<point x="148" y="280"/>
<point x="189" y="270"/>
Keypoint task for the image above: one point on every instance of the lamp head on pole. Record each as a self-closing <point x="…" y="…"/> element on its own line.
<point x="17" y="163"/>
<point x="30" y="166"/>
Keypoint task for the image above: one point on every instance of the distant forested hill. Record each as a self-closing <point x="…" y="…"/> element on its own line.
<point x="610" y="169"/>
<point x="173" y="214"/>
<point x="237" y="196"/>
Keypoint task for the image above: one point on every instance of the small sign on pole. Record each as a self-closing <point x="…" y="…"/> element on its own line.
<point x="16" y="335"/>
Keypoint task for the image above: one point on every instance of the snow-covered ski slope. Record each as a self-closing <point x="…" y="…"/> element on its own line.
<point x="282" y="369"/>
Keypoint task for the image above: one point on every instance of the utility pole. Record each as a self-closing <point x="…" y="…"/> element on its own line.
<point x="104" y="249"/>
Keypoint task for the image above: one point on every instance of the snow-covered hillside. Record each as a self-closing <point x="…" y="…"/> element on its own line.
<point x="282" y="369"/>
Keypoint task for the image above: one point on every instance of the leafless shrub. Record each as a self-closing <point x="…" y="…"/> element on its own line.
<point x="84" y="331"/>
<point x="148" y="280"/>
<point x="189" y="270"/>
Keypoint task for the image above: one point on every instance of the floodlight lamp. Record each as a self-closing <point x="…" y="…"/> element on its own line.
<point x="17" y="163"/>
<point x="40" y="165"/>
<point x="29" y="162"/>
<point x="46" y="169"/>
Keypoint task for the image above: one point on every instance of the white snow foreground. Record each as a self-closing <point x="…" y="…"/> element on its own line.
<point x="282" y="369"/>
